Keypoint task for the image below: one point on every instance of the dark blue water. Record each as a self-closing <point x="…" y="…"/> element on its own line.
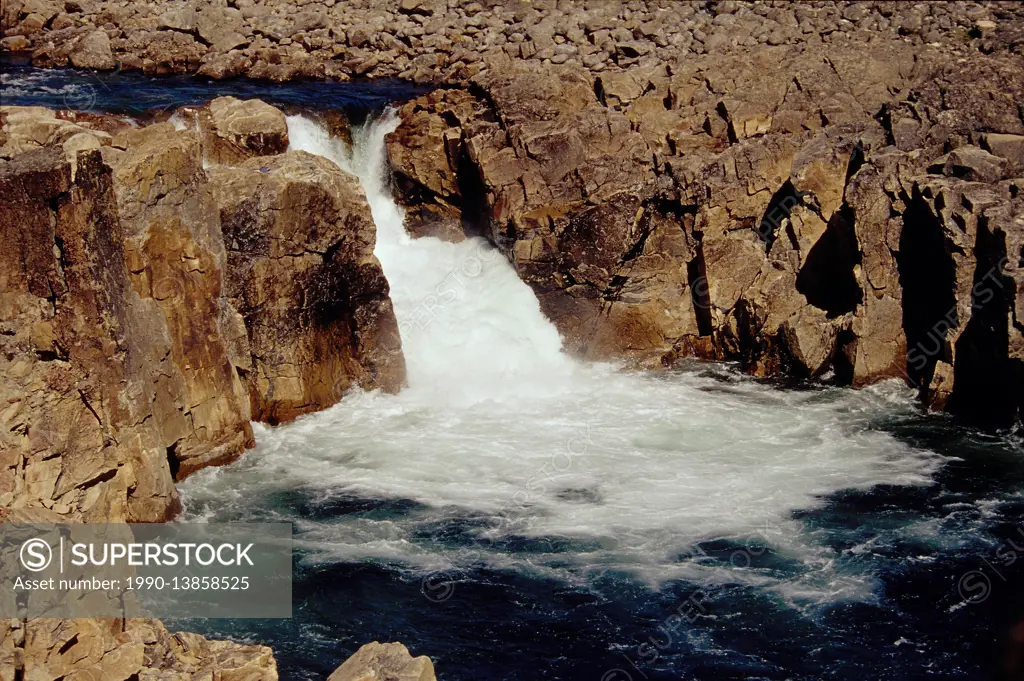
<point x="136" y="94"/>
<point x="942" y="613"/>
<point x="940" y="609"/>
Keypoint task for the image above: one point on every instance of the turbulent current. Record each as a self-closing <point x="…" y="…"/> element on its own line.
<point x="516" y="514"/>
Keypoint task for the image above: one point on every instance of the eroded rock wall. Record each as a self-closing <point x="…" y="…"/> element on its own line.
<point x="78" y="437"/>
<point x="136" y="331"/>
<point x="809" y="212"/>
<point x="82" y="439"/>
<point x="303" y="276"/>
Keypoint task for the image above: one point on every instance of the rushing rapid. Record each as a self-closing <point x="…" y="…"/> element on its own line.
<point x="506" y="462"/>
<point x="499" y="425"/>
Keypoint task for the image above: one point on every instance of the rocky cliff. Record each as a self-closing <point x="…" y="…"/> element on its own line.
<point x="149" y="308"/>
<point x="824" y="211"/>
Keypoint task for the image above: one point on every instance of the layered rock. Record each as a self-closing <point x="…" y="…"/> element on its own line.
<point x="81" y="439"/>
<point x="303" y="276"/>
<point x="176" y="256"/>
<point x="771" y="210"/>
<point x="78" y="436"/>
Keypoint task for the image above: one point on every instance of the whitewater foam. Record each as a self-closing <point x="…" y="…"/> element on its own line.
<point x="505" y="452"/>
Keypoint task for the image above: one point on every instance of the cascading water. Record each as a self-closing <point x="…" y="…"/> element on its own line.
<point x="511" y="483"/>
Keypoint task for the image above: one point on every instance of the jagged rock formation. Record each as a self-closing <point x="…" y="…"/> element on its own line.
<point x="81" y="438"/>
<point x="176" y="257"/>
<point x="267" y="322"/>
<point x="803" y="211"/>
<point x="302" y="274"/>
<point x="121" y="650"/>
<point x="453" y="40"/>
<point x="125" y="364"/>
<point x="78" y="437"/>
<point x="384" y="662"/>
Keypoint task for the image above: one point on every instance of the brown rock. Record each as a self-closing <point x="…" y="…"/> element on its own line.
<point x="92" y="51"/>
<point x="234" y="130"/>
<point x="120" y="650"/>
<point x="167" y="52"/>
<point x="302" y="274"/>
<point x="175" y="253"/>
<point x="1009" y="147"/>
<point x="221" y="27"/>
<point x="224" y="66"/>
<point x="15" y="43"/>
<point x="384" y="662"/>
<point x="73" y="365"/>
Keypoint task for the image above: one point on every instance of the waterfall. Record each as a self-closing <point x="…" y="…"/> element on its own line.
<point x="471" y="330"/>
<point x="501" y="435"/>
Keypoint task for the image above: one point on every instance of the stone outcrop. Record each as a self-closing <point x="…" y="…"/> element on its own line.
<point x="234" y="130"/>
<point x="302" y="274"/>
<point x="807" y="212"/>
<point x="384" y="662"/>
<point x="177" y="262"/>
<point x="125" y="364"/>
<point x="122" y="650"/>
<point x="453" y="40"/>
<point x="33" y="127"/>
<point x="78" y="435"/>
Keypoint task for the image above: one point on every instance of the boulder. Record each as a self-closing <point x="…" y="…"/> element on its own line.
<point x="92" y="51"/>
<point x="227" y="65"/>
<point x="170" y="52"/>
<point x="301" y="272"/>
<point x="222" y="28"/>
<point x="970" y="163"/>
<point x="234" y="130"/>
<point x="1008" y="147"/>
<point x="34" y="127"/>
<point x="384" y="662"/>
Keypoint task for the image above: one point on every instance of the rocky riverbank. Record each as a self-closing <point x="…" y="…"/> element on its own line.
<point x="153" y="307"/>
<point x="449" y="41"/>
<point x="820" y="211"/>
<point x="829" y="190"/>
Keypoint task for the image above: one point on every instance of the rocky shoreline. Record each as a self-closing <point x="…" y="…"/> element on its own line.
<point x="451" y="41"/>
<point x="829" y="191"/>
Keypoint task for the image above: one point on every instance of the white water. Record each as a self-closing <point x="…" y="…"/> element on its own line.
<point x="500" y="429"/>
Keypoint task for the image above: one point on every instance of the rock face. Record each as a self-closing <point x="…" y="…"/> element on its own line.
<point x="384" y="662"/>
<point x="234" y="130"/>
<point x="78" y="436"/>
<point x="126" y="363"/>
<point x="81" y="441"/>
<point x="176" y="256"/>
<point x="303" y="276"/>
<point x="273" y="315"/>
<point x="786" y="210"/>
